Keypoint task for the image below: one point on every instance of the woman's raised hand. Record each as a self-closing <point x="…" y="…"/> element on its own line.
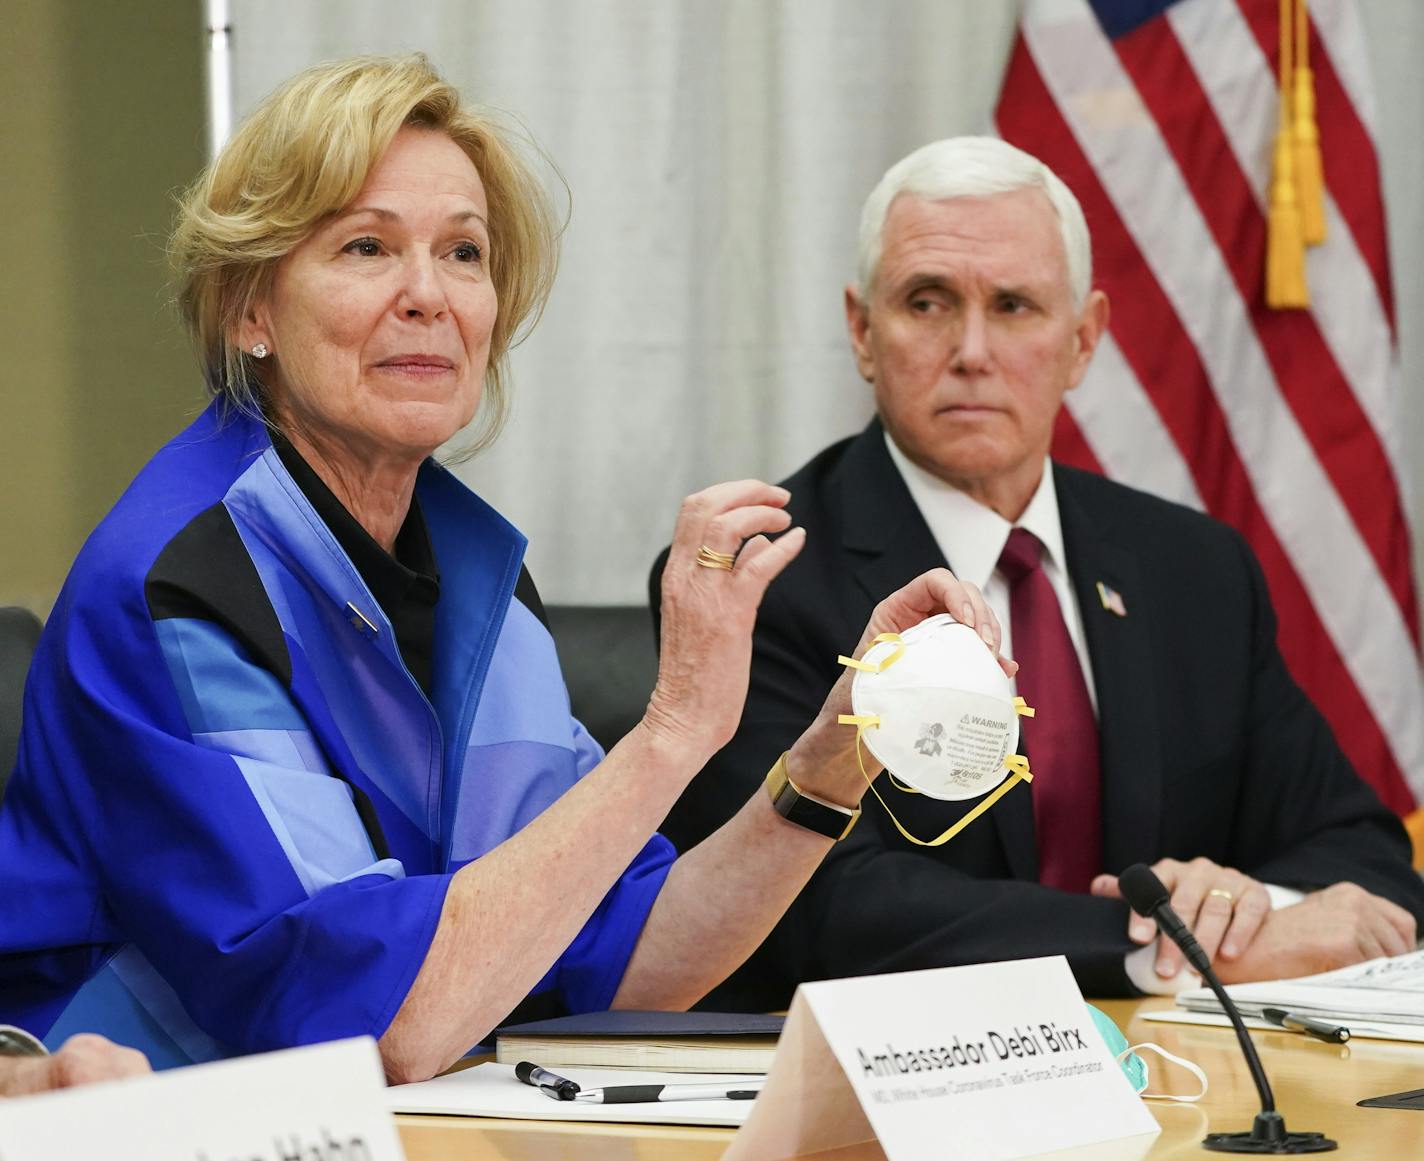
<point x="717" y="571"/>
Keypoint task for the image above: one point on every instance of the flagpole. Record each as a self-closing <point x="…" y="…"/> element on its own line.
<point x="219" y="74"/>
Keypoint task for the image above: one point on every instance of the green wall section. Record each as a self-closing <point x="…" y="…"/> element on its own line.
<point x="101" y="123"/>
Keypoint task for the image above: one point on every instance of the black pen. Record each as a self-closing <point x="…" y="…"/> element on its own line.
<point x="551" y="1084"/>
<point x="627" y="1094"/>
<point x="1320" y="1029"/>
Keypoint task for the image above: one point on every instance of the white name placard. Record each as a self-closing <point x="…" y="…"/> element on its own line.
<point x="989" y="1062"/>
<point x="322" y="1103"/>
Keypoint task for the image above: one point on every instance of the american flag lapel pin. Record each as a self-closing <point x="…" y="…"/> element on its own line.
<point x="1111" y="599"/>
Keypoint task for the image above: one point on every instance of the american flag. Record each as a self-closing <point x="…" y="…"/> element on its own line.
<point x="1161" y="116"/>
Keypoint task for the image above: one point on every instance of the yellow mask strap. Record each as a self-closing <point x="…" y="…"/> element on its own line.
<point x="877" y="666"/>
<point x="1016" y="764"/>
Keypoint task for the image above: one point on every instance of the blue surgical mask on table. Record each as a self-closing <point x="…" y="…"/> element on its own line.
<point x="1135" y="1068"/>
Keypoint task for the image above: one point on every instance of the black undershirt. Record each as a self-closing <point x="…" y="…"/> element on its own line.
<point x="406" y="585"/>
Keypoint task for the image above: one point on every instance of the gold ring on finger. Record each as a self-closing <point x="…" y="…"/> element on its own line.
<point x="1222" y="893"/>
<point x="710" y="558"/>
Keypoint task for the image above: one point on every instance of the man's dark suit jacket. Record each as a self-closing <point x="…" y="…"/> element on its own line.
<point x="1208" y="746"/>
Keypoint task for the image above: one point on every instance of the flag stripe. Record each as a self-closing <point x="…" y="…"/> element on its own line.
<point x="1238" y="82"/>
<point x="1124" y="432"/>
<point x="1069" y="445"/>
<point x="1120" y="139"/>
<point x="1304" y="368"/>
<point x="1349" y="594"/>
<point x="1338" y="24"/>
<point x="1347" y="150"/>
<point x="1165" y="361"/>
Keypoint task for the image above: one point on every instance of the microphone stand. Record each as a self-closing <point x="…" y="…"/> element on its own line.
<point x="1147" y="896"/>
<point x="1268" y="1132"/>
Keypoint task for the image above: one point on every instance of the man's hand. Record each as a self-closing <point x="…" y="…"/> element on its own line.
<point x="1332" y="928"/>
<point x="1224" y="907"/>
<point x="83" y="1059"/>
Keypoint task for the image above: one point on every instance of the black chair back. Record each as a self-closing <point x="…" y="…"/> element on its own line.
<point x="19" y="633"/>
<point x="610" y="664"/>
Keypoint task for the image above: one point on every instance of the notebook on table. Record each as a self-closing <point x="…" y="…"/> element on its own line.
<point x="718" y="1042"/>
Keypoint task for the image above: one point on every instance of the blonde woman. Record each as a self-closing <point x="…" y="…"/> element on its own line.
<point x="297" y="761"/>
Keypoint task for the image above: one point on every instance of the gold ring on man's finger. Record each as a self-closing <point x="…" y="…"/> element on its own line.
<point x="711" y="558"/>
<point x="1222" y="893"/>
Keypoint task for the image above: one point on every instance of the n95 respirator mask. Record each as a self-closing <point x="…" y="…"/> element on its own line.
<point x="936" y="710"/>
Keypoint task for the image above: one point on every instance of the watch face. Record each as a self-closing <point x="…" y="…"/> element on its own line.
<point x="13" y="1042"/>
<point x="813" y="815"/>
<point x="832" y="821"/>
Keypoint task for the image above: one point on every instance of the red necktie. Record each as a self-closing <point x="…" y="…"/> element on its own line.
<point x="1062" y="739"/>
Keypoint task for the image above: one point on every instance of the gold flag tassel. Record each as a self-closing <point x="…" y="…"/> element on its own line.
<point x="1309" y="173"/>
<point x="1285" y="245"/>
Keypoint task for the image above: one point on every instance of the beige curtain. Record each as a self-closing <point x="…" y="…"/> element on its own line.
<point x="718" y="152"/>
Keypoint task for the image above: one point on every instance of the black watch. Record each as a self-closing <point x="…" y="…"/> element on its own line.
<point x="794" y="805"/>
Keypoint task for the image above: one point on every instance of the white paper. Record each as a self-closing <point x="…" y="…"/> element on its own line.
<point x="306" y="1102"/>
<point x="1389" y="990"/>
<point x="1409" y="1033"/>
<point x="492" y="1090"/>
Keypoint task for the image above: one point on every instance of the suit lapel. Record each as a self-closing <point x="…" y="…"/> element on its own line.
<point x="886" y="531"/>
<point x="1120" y="649"/>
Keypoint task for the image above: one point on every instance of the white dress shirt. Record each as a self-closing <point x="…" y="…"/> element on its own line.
<point x="971" y="536"/>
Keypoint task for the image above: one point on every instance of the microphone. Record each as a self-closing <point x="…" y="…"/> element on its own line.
<point x="1146" y="895"/>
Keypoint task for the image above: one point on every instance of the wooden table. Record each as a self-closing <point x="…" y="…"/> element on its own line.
<point x="1316" y="1087"/>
